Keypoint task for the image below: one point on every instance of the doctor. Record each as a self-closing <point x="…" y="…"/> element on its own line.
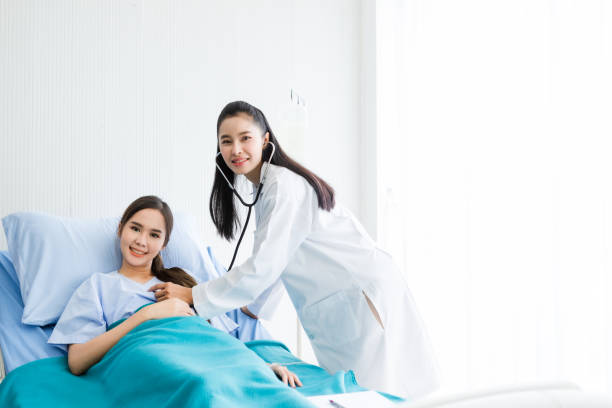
<point x="350" y="296"/>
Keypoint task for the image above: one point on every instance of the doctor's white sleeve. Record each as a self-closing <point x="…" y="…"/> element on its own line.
<point x="286" y="214"/>
<point x="265" y="305"/>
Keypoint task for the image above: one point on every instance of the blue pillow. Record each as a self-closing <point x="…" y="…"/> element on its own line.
<point x="54" y="255"/>
<point x="28" y="343"/>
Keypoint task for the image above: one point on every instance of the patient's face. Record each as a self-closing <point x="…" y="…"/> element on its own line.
<point x="142" y="237"/>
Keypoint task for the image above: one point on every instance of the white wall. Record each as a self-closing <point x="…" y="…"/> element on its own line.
<point x="104" y="101"/>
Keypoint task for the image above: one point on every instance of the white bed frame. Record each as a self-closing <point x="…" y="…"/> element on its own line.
<point x="538" y="395"/>
<point x="2" y="371"/>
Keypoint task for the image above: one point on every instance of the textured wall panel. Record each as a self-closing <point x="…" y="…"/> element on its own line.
<point x="104" y="101"/>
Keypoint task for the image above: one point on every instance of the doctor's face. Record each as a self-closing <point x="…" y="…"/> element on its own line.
<point x="142" y="237"/>
<point x="241" y="143"/>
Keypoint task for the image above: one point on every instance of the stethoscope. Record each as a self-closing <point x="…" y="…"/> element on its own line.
<point x="249" y="206"/>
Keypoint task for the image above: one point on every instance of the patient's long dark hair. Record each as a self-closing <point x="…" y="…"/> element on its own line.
<point x="222" y="209"/>
<point x="174" y="275"/>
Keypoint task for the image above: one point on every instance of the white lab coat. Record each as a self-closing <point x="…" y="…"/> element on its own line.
<point x="327" y="263"/>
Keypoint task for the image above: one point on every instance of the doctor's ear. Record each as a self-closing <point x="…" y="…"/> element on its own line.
<point x="266" y="139"/>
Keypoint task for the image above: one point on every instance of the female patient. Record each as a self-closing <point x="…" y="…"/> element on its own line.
<point x="106" y="298"/>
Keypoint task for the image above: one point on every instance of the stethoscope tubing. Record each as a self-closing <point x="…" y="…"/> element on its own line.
<point x="261" y="183"/>
<point x="249" y="206"/>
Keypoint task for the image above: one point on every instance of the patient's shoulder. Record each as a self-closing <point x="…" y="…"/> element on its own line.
<point x="104" y="276"/>
<point x="99" y="279"/>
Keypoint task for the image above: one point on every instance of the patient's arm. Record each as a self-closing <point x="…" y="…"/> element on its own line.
<point x="82" y="356"/>
<point x="285" y="375"/>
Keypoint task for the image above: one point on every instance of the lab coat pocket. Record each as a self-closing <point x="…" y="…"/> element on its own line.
<point x="332" y="320"/>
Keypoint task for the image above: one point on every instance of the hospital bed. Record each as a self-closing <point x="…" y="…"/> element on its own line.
<point x="32" y="364"/>
<point x="20" y="343"/>
<point x="45" y="256"/>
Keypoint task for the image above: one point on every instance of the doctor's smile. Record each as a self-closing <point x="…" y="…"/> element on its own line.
<point x="239" y="162"/>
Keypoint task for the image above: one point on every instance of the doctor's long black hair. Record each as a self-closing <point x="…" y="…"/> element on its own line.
<point x="222" y="206"/>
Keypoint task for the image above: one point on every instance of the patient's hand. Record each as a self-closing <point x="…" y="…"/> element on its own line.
<point x="169" y="290"/>
<point x="166" y="308"/>
<point x="285" y="375"/>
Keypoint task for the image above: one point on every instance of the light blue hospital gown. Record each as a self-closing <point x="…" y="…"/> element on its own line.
<point x="106" y="298"/>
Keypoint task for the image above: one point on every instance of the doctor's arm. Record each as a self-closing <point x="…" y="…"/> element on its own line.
<point x="265" y="305"/>
<point x="285" y="221"/>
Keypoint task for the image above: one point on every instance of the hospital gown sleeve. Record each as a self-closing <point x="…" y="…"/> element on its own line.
<point x="286" y="215"/>
<point x="82" y="319"/>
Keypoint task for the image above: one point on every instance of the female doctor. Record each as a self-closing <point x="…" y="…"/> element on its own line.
<point x="349" y="295"/>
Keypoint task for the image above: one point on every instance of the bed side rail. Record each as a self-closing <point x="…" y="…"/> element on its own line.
<point x="2" y="371"/>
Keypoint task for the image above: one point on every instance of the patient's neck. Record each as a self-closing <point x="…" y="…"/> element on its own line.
<point x="139" y="274"/>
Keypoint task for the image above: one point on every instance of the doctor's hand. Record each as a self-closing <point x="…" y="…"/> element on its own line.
<point x="169" y="290"/>
<point x="247" y="312"/>
<point x="166" y="308"/>
<point x="285" y="375"/>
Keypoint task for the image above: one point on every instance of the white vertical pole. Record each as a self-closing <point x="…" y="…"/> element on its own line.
<point x="369" y="106"/>
<point x="300" y="350"/>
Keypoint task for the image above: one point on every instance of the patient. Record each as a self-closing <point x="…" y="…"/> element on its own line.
<point x="121" y="301"/>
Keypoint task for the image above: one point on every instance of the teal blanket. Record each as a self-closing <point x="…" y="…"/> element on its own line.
<point x="175" y="362"/>
<point x="315" y="380"/>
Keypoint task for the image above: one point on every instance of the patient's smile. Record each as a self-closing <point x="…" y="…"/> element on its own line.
<point x="137" y="253"/>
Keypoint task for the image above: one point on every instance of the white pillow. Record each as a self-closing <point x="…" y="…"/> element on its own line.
<point x="54" y="255"/>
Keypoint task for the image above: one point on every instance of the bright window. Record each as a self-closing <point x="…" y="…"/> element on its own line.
<point x="495" y="175"/>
